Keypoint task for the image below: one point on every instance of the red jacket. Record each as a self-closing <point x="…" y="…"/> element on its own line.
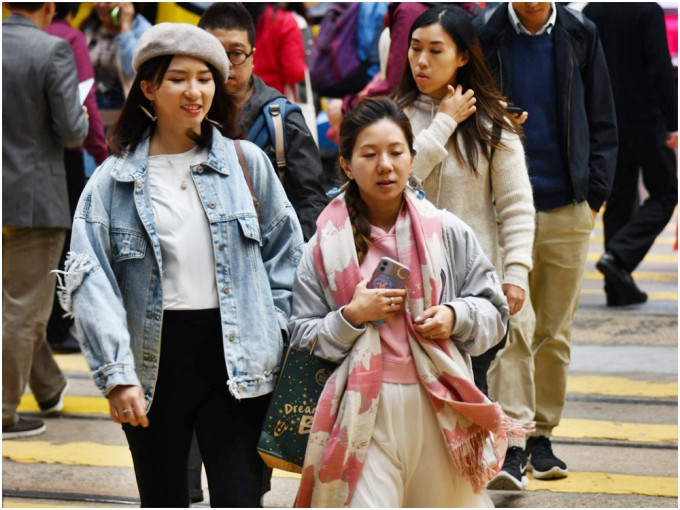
<point x="280" y="56"/>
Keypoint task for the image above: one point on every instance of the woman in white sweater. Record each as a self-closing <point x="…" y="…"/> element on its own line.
<point x="469" y="153"/>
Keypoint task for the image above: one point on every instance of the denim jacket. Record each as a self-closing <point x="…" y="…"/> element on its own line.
<point x="113" y="282"/>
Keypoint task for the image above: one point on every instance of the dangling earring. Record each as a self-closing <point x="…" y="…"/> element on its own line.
<point x="153" y="118"/>
<point x="416" y="185"/>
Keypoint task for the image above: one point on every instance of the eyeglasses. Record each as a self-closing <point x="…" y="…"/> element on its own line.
<point x="238" y="57"/>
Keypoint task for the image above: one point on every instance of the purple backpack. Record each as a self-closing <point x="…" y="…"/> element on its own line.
<point x="334" y="65"/>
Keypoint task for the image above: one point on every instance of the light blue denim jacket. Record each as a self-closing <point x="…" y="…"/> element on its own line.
<point x="113" y="281"/>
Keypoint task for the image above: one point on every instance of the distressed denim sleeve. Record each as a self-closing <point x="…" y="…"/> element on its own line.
<point x="282" y="235"/>
<point x="89" y="292"/>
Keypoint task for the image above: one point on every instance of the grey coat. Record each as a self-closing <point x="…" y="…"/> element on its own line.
<point x="471" y="287"/>
<point x="41" y="114"/>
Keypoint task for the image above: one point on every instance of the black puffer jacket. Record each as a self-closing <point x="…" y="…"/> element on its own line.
<point x="303" y="174"/>
<point x="585" y="102"/>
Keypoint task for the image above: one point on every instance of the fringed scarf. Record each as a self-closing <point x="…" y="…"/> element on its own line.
<point x="474" y="429"/>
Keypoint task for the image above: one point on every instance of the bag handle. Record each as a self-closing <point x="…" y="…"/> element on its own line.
<point x="246" y="174"/>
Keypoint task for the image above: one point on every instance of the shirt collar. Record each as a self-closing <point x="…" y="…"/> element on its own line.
<point x="520" y="29"/>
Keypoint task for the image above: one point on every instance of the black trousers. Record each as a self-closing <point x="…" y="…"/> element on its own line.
<point x="191" y="394"/>
<point x="630" y="231"/>
<point x="481" y="364"/>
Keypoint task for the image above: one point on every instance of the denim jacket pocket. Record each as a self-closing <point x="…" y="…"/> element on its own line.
<point x="250" y="226"/>
<point x="126" y="244"/>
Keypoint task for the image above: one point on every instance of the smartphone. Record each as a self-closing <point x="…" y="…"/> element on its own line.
<point x="515" y="110"/>
<point x="389" y="274"/>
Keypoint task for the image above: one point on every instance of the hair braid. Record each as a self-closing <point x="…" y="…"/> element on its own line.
<point x="361" y="227"/>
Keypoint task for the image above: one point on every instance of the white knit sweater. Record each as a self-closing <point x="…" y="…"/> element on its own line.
<point x="497" y="205"/>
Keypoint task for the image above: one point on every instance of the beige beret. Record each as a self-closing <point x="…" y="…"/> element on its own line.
<point x="181" y="39"/>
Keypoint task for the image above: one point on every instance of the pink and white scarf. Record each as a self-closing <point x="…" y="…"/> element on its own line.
<point x="474" y="429"/>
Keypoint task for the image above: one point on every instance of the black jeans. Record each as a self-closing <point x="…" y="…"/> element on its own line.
<point x="191" y="394"/>
<point x="481" y="364"/>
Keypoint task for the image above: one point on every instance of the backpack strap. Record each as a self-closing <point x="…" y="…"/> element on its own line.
<point x="279" y="143"/>
<point x="246" y="174"/>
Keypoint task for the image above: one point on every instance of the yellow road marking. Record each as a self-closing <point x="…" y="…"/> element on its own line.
<point x="639" y="276"/>
<point x="609" y="483"/>
<point x="650" y="257"/>
<point x="670" y="226"/>
<point x="93" y="454"/>
<point x="21" y="504"/>
<point x="72" y="454"/>
<point x="72" y="363"/>
<point x="72" y="405"/>
<point x="659" y="240"/>
<point x="599" y="429"/>
<point x="620" y="386"/>
<point x="653" y="296"/>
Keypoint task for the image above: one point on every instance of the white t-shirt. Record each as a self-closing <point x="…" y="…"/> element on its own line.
<point x="184" y="232"/>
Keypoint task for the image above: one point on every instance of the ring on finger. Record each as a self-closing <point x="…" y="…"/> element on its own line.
<point x="128" y="410"/>
<point x="392" y="301"/>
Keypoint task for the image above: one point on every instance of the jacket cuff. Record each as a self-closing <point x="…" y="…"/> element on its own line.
<point x="442" y="128"/>
<point x="462" y="326"/>
<point x="115" y="374"/>
<point x="343" y="330"/>
<point x="517" y="274"/>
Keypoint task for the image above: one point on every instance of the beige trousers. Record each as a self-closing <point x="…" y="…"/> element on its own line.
<point x="28" y="256"/>
<point x="529" y="375"/>
<point x="407" y="463"/>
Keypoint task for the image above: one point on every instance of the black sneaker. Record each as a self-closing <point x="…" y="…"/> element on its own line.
<point x="513" y="475"/>
<point x="25" y="427"/>
<point x="542" y="460"/>
<point x="56" y="403"/>
<point x="619" y="284"/>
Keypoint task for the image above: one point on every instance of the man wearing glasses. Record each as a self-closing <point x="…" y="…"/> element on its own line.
<point x="234" y="27"/>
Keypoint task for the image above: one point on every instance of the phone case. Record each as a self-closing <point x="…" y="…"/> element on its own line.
<point x="389" y="274"/>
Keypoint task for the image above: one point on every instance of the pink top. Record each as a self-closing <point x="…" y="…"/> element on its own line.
<point x="398" y="364"/>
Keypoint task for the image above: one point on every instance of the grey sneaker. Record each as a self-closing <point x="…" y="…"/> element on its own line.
<point x="25" y="427"/>
<point x="56" y="403"/>
<point x="542" y="461"/>
<point x="513" y="475"/>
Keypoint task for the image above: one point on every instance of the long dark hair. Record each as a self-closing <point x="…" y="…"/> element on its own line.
<point x="127" y="132"/>
<point x="474" y="75"/>
<point x="369" y="111"/>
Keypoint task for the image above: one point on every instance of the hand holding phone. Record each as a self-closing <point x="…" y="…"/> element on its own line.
<point x="390" y="274"/>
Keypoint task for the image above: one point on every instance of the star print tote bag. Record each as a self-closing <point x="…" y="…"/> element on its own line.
<point x="284" y="435"/>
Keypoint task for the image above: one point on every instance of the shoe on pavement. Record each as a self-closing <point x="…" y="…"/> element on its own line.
<point x="513" y="475"/>
<point x="620" y="286"/>
<point x="542" y="461"/>
<point x="56" y="403"/>
<point x="25" y="427"/>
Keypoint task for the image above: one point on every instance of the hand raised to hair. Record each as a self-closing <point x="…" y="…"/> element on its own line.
<point x="127" y="14"/>
<point x="458" y="105"/>
<point x="369" y="305"/>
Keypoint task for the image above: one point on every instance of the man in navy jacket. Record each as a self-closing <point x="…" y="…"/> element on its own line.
<point x="548" y="60"/>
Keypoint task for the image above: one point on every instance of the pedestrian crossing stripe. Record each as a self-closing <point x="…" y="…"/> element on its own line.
<point x="666" y="240"/>
<point x="620" y="386"/>
<point x="650" y="257"/>
<point x="571" y="428"/>
<point x="652" y="296"/>
<point x="72" y="405"/>
<point x="638" y="276"/>
<point x="72" y="363"/>
<point x="608" y="483"/>
<point x="100" y="455"/>
<point x="576" y="384"/>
